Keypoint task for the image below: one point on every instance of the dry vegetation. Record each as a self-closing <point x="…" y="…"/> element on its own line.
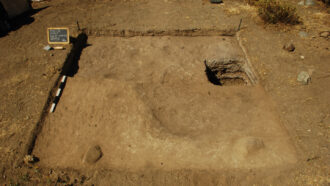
<point x="276" y="11"/>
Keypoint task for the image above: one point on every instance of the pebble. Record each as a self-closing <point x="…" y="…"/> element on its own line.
<point x="289" y="47"/>
<point x="303" y="34"/>
<point x="47" y="48"/>
<point x="304" y="77"/>
<point x="307" y="2"/>
<point x="325" y="34"/>
<point x="302" y="57"/>
<point x="93" y="154"/>
<point x="29" y="159"/>
<point x="216" y="1"/>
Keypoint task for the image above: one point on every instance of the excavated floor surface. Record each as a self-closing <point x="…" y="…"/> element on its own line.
<point x="148" y="104"/>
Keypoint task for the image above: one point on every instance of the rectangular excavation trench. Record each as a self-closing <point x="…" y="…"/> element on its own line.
<point x="147" y="102"/>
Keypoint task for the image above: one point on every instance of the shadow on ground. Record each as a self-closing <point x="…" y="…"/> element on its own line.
<point x="21" y="20"/>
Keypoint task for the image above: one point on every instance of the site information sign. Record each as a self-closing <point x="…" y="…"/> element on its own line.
<point x="58" y="35"/>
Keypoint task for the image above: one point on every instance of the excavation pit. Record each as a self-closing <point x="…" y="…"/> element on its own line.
<point x="145" y="103"/>
<point x="226" y="72"/>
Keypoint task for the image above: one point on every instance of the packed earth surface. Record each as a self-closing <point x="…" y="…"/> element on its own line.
<point x="146" y="102"/>
<point x="166" y="92"/>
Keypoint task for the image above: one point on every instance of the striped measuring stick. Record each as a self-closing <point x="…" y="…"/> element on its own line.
<point x="58" y="94"/>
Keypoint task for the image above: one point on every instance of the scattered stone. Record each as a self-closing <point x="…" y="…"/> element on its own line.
<point x="47" y="48"/>
<point x="63" y="178"/>
<point x="325" y="34"/>
<point x="82" y="179"/>
<point x="289" y="47"/>
<point x="302" y="57"/>
<point x="93" y="155"/>
<point x="30" y="159"/>
<point x="216" y="1"/>
<point x="307" y="2"/>
<point x="303" y="34"/>
<point x="304" y="77"/>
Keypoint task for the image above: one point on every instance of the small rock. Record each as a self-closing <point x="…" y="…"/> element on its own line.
<point x="302" y="57"/>
<point x="216" y="1"/>
<point x="93" y="154"/>
<point x="307" y="2"/>
<point x="30" y="159"/>
<point x="289" y="47"/>
<point x="63" y="178"/>
<point x="303" y="34"/>
<point x="304" y="77"/>
<point x="325" y="34"/>
<point x="47" y="48"/>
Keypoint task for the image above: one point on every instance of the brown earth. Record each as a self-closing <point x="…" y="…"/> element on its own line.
<point x="146" y="102"/>
<point x="160" y="96"/>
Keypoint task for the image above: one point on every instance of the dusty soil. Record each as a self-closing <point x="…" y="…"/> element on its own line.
<point x="151" y="132"/>
<point x="146" y="101"/>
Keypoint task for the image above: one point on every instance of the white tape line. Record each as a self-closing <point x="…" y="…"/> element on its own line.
<point x="59" y="89"/>
<point x="58" y="92"/>
<point x="52" y="108"/>
<point x="63" y="79"/>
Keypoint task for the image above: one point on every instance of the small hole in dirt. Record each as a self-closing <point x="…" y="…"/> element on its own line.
<point x="226" y="72"/>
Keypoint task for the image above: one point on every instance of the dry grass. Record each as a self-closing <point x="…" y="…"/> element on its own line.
<point x="275" y="11"/>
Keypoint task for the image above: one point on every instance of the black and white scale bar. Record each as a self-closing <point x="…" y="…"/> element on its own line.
<point x="58" y="94"/>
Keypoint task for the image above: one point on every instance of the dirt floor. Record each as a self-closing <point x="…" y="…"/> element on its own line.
<point x="147" y="102"/>
<point x="142" y="97"/>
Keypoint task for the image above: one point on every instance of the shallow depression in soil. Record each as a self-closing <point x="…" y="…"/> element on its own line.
<point x="145" y="102"/>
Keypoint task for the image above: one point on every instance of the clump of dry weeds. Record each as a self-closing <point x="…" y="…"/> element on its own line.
<point x="276" y="11"/>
